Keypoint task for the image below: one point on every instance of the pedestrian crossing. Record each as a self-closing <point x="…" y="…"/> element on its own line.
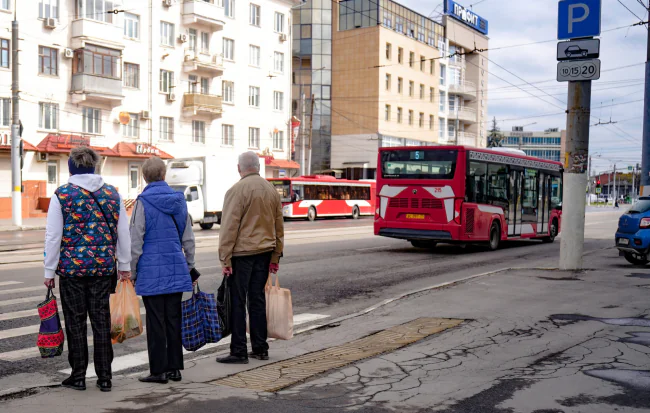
<point x="19" y="325"/>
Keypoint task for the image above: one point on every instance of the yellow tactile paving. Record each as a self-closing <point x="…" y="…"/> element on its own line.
<point x="277" y="376"/>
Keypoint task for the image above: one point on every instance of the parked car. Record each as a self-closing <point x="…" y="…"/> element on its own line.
<point x="633" y="233"/>
<point x="575" y="51"/>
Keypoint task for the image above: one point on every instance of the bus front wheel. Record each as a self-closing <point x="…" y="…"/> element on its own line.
<point x="552" y="232"/>
<point x="495" y="237"/>
<point x="355" y="212"/>
<point x="311" y="215"/>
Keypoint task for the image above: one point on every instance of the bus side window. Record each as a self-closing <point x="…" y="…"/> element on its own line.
<point x="477" y="182"/>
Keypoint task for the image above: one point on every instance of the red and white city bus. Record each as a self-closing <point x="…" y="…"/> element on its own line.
<point x="324" y="196"/>
<point x="458" y="194"/>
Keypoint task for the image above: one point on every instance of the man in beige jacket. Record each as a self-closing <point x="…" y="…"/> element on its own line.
<point x="251" y="240"/>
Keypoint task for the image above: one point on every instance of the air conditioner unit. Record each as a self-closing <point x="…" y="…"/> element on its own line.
<point x="168" y="3"/>
<point x="50" y="23"/>
<point x="68" y="53"/>
<point x="171" y="97"/>
<point x="283" y="37"/>
<point x="42" y="157"/>
<point x="182" y="38"/>
<point x="145" y="114"/>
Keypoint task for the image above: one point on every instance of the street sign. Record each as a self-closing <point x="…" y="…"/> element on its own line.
<point x="599" y="190"/>
<point x="578" y="70"/>
<point x="578" y="49"/>
<point x="578" y="18"/>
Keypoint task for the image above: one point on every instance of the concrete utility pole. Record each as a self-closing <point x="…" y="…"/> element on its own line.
<point x="589" y="183"/>
<point x="16" y="178"/>
<point x="645" y="151"/>
<point x="575" y="175"/>
<point x="615" y="190"/>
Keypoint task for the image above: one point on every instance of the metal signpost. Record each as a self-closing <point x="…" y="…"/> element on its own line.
<point x="578" y="22"/>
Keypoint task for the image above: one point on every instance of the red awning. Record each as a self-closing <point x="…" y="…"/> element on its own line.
<point x="57" y="143"/>
<point x="139" y="150"/>
<point x="283" y="164"/>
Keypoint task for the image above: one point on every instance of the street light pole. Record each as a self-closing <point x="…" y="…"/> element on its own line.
<point x="16" y="178"/>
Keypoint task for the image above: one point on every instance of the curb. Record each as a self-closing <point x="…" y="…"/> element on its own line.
<point x="23" y="228"/>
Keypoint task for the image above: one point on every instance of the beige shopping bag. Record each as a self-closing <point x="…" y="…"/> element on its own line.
<point x="279" y="310"/>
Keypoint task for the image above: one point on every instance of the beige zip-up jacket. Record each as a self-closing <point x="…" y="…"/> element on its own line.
<point x="251" y="221"/>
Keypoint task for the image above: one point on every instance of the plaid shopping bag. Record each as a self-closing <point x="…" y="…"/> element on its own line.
<point x="192" y="327"/>
<point x="50" y="334"/>
<point x="209" y="316"/>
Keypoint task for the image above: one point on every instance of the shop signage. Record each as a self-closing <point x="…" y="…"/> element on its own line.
<point x="466" y="16"/>
<point x="146" y="150"/>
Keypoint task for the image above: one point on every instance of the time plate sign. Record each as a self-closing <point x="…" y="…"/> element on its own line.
<point x="578" y="70"/>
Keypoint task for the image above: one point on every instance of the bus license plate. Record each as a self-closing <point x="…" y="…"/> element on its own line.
<point x="623" y="241"/>
<point x="414" y="216"/>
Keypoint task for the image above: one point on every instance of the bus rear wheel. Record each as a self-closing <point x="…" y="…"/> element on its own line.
<point x="356" y="213"/>
<point x="311" y="215"/>
<point x="495" y="237"/>
<point x="424" y="244"/>
<point x="553" y="233"/>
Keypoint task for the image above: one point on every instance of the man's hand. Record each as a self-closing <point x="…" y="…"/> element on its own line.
<point x="274" y="268"/>
<point x="50" y="283"/>
<point x="124" y="275"/>
<point x="227" y="271"/>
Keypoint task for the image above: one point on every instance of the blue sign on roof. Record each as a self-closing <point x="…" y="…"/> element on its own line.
<point x="466" y="16"/>
<point x="578" y="18"/>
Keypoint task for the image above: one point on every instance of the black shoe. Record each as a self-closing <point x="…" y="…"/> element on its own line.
<point x="174" y="375"/>
<point x="75" y="384"/>
<point x="104" y="385"/>
<point x="154" y="378"/>
<point x="264" y="355"/>
<point x="233" y="360"/>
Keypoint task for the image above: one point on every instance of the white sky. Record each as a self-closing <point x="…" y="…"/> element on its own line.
<point x="514" y="22"/>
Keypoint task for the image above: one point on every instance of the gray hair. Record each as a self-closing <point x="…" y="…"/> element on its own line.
<point x="249" y="162"/>
<point x="84" y="157"/>
<point x="154" y="170"/>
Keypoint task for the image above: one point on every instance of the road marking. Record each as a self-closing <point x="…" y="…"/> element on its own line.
<point x="6" y="303"/>
<point x="18" y="314"/>
<point x="23" y="290"/>
<point x="372" y="248"/>
<point x="3" y="283"/>
<point x="142" y="357"/>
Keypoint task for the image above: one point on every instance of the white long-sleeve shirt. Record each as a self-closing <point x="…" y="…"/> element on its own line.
<point x="54" y="228"/>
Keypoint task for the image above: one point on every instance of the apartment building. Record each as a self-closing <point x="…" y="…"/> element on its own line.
<point x="548" y="144"/>
<point x="400" y="78"/>
<point x="157" y="77"/>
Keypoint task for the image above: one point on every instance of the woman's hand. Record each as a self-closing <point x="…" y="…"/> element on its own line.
<point x="124" y="275"/>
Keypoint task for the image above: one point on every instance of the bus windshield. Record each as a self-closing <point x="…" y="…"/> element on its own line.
<point x="418" y="164"/>
<point x="283" y="188"/>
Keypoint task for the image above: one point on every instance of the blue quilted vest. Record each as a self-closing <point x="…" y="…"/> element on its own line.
<point x="87" y="246"/>
<point x="162" y="268"/>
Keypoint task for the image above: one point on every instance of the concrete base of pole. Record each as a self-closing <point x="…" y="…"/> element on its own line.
<point x="573" y="221"/>
<point x="16" y="208"/>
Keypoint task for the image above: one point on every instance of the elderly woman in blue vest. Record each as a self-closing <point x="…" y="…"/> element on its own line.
<point x="162" y="255"/>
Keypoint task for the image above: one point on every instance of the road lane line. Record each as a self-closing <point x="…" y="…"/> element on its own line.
<point x="6" y="303"/>
<point x="18" y="314"/>
<point x="3" y="283"/>
<point x="142" y="357"/>
<point x="23" y="290"/>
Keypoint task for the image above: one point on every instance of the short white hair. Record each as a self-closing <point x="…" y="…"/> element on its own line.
<point x="249" y="162"/>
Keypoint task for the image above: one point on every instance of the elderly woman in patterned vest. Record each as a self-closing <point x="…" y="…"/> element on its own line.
<point x="162" y="256"/>
<point x="86" y="241"/>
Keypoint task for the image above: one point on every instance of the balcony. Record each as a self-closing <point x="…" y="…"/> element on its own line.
<point x="91" y="88"/>
<point x="465" y="88"/>
<point x="203" y="13"/>
<point x="203" y="63"/>
<point x="463" y="138"/>
<point x="457" y="61"/>
<point x="463" y="114"/>
<point x="96" y="32"/>
<point x="201" y="104"/>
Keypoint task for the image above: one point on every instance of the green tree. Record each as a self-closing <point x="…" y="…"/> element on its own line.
<point x="495" y="137"/>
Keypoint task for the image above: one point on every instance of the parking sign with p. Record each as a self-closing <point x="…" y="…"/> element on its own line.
<point x="578" y="18"/>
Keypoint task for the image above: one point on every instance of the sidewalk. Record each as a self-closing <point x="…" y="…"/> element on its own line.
<point x="521" y="340"/>
<point x="29" y="224"/>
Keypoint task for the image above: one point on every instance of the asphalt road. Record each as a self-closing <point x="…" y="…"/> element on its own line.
<point x="333" y="268"/>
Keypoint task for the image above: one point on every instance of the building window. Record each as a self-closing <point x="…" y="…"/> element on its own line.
<point x="205" y="86"/>
<point x="205" y="42"/>
<point x="399" y="115"/>
<point x="48" y="61"/>
<point x="254" y="138"/>
<point x="254" y="55"/>
<point x="411" y="59"/>
<point x="166" y="34"/>
<point x="166" y="81"/>
<point x="411" y="117"/>
<point x="228" y="49"/>
<point x="387" y="81"/>
<point x="278" y="62"/>
<point x="193" y="39"/>
<point x="97" y="61"/>
<point x="421" y="120"/>
<point x="229" y="8"/>
<point x="5" y="111"/>
<point x="387" y="116"/>
<point x="91" y="119"/>
<point x="431" y="93"/>
<point x="46" y="8"/>
<point x="441" y="129"/>
<point x="443" y="74"/>
<point x="132" y="129"/>
<point x="278" y="100"/>
<point x="255" y="15"/>
<point x="166" y="129"/>
<point x="423" y="62"/>
<point x="443" y="101"/>
<point x="4" y="53"/>
<point x="254" y="96"/>
<point x="227" y="135"/>
<point x="400" y="55"/>
<point x="132" y="75"/>
<point x="421" y="91"/>
<point x="430" y="122"/>
<point x="388" y="51"/>
<point x="278" y="25"/>
<point x="400" y="84"/>
<point x="96" y="10"/>
<point x="228" y="91"/>
<point x="411" y="88"/>
<point x="48" y="116"/>
<point x="431" y="63"/>
<point x="278" y="140"/>
<point x="198" y="131"/>
<point x="131" y="26"/>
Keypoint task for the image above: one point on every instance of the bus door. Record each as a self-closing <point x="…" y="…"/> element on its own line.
<point x="515" y="208"/>
<point x="544" y="196"/>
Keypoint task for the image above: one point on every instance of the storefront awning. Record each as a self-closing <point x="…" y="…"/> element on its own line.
<point x="283" y="164"/>
<point x="139" y="150"/>
<point x="63" y="144"/>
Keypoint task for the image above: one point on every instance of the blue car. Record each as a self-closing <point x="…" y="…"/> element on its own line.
<point x="633" y="233"/>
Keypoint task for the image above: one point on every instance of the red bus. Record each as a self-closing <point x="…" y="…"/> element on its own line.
<point x="324" y="196"/>
<point x="458" y="194"/>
